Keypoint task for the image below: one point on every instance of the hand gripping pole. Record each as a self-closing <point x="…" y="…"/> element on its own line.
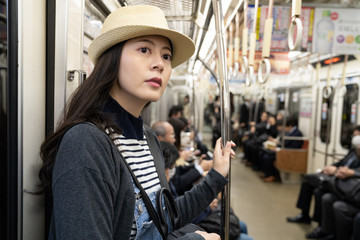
<point x="225" y="112"/>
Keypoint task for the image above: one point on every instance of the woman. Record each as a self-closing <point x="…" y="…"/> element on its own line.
<point x="84" y="169"/>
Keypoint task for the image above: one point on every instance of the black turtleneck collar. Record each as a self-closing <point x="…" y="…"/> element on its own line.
<point x="131" y="126"/>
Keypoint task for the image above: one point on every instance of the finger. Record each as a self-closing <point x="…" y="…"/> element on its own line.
<point x="232" y="154"/>
<point x="227" y="150"/>
<point x="218" y="147"/>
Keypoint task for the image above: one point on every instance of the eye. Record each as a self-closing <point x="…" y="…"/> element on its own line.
<point x="144" y="50"/>
<point x="167" y="57"/>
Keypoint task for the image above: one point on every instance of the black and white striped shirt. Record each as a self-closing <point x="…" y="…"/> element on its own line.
<point x="133" y="146"/>
<point x="137" y="154"/>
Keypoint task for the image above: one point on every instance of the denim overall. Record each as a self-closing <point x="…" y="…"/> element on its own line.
<point x="146" y="228"/>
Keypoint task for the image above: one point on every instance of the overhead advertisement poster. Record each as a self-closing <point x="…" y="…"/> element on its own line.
<point x="281" y="22"/>
<point x="281" y="16"/>
<point x="336" y="31"/>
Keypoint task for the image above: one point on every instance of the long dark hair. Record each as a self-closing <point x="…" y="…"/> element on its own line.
<point x="85" y="105"/>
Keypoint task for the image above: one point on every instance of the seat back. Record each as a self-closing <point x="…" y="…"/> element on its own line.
<point x="293" y="160"/>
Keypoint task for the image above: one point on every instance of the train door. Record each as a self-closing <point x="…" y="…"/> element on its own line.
<point x="293" y="100"/>
<point x="298" y="102"/>
<point x="337" y="115"/>
<point x="349" y="114"/>
<point x="10" y="197"/>
<point x="67" y="38"/>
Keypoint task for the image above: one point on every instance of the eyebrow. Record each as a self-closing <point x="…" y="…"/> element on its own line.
<point x="152" y="43"/>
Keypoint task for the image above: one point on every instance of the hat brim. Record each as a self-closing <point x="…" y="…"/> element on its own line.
<point x="183" y="46"/>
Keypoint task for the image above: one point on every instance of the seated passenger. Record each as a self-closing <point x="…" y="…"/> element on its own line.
<point x="170" y="156"/>
<point x="356" y="227"/>
<point x="267" y="158"/>
<point x="310" y="185"/>
<point x="186" y="174"/>
<point x="258" y="134"/>
<point x="175" y="111"/>
<point x="337" y="215"/>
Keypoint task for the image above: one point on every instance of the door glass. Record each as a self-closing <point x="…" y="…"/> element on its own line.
<point x="294" y="102"/>
<point x="3" y="121"/>
<point x="349" y="113"/>
<point x="325" y="114"/>
<point x="280" y="101"/>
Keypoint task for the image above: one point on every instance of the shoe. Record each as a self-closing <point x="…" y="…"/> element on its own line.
<point x="327" y="237"/>
<point x="270" y="179"/>
<point x="300" y="218"/>
<point x="255" y="168"/>
<point x="262" y="175"/>
<point x="315" y="234"/>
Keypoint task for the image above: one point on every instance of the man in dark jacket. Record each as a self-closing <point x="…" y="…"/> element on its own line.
<point x="267" y="158"/>
<point x="244" y="114"/>
<point x="339" y="219"/>
<point x="310" y="186"/>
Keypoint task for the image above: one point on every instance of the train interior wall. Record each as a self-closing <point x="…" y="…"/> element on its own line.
<point x="32" y="47"/>
<point x="264" y="215"/>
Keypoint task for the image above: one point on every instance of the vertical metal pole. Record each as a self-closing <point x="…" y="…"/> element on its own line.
<point x="286" y="109"/>
<point x="225" y="110"/>
<point x="328" y="128"/>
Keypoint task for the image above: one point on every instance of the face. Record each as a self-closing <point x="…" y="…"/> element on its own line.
<point x="355" y="141"/>
<point x="272" y="120"/>
<point x="144" y="72"/>
<point x="264" y="117"/>
<point x="170" y="134"/>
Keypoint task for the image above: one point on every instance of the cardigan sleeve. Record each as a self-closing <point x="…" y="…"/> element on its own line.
<point x="193" y="202"/>
<point x="84" y="186"/>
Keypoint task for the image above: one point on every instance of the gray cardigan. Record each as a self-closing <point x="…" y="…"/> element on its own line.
<point x="93" y="195"/>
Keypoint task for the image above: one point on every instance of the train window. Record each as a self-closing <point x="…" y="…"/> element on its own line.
<point x="349" y="113"/>
<point x="325" y="124"/>
<point x="294" y="103"/>
<point x="280" y="100"/>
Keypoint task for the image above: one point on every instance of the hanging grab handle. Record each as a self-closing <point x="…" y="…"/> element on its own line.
<point x="295" y="23"/>
<point x="231" y="48"/>
<point x="266" y="47"/>
<point x="244" y="48"/>
<point x="236" y="45"/>
<point x="328" y="90"/>
<point x="342" y="83"/>
<point x="250" y="72"/>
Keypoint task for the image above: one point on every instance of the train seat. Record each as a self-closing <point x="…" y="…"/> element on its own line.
<point x="292" y="163"/>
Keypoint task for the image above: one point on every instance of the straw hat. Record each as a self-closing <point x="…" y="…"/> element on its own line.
<point x="135" y="21"/>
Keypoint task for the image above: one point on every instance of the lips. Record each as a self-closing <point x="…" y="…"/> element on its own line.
<point x="155" y="82"/>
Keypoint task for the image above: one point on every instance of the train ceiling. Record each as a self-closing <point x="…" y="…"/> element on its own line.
<point x="193" y="18"/>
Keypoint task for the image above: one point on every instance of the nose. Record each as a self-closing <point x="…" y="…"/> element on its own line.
<point x="157" y="63"/>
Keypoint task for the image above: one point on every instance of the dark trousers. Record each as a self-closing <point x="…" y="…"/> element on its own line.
<point x="266" y="162"/>
<point x="304" y="200"/>
<point x="254" y="155"/>
<point x="246" y="148"/>
<point x="356" y="227"/>
<point x="340" y="218"/>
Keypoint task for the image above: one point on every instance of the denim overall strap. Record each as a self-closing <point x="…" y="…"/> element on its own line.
<point x="149" y="206"/>
<point x="145" y="228"/>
